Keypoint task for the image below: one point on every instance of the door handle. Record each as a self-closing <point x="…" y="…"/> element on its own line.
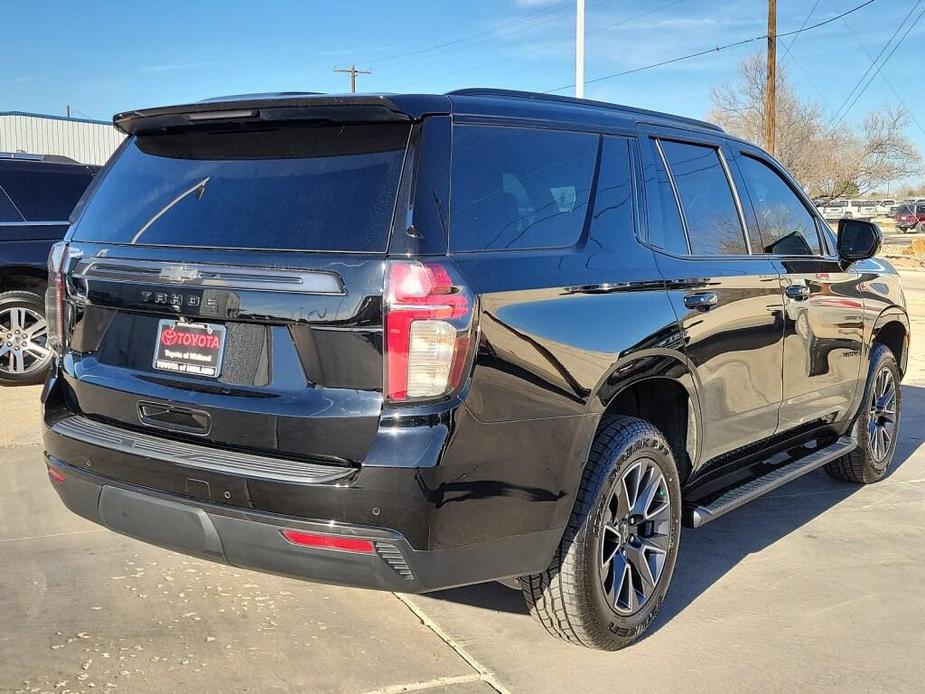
<point x="702" y="301"/>
<point x="797" y="292"/>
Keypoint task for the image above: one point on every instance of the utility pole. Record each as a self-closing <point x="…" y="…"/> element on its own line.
<point x="770" y="93"/>
<point x="353" y="75"/>
<point x="580" y="49"/>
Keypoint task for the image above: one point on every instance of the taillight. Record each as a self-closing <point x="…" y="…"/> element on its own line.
<point x="55" y="298"/>
<point x="428" y="321"/>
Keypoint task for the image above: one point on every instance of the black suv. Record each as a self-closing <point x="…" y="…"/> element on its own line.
<point x="37" y="195"/>
<point x="413" y="342"/>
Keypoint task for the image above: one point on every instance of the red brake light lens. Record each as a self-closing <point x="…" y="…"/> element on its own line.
<point x="428" y="320"/>
<point x="55" y="475"/>
<point x="55" y="306"/>
<point x="342" y="544"/>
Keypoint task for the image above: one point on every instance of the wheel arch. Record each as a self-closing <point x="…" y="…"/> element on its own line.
<point x="23" y="278"/>
<point x="661" y="387"/>
<point x="892" y="329"/>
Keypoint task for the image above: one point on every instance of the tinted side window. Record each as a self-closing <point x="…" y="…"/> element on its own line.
<point x="8" y="212"/>
<point x="519" y="188"/>
<point x="713" y="224"/>
<point x="612" y="220"/>
<point x="666" y="231"/>
<point x="45" y="196"/>
<point x="786" y="226"/>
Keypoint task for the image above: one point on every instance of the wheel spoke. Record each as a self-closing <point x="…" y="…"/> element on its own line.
<point x="654" y="485"/>
<point x="37" y="350"/>
<point x="632" y="478"/>
<point x="19" y="362"/>
<point x="619" y="568"/>
<point x="636" y="557"/>
<point x="16" y="319"/>
<point x="37" y="330"/>
<point x="610" y="545"/>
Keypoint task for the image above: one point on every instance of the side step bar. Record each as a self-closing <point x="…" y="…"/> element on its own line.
<point x="753" y="488"/>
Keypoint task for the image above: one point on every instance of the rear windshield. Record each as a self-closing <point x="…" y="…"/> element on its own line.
<point x="302" y="187"/>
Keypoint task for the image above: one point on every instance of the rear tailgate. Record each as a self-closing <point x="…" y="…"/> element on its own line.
<point x="226" y="287"/>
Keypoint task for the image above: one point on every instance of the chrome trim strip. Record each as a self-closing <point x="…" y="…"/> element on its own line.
<point x="191" y="455"/>
<point x="34" y="224"/>
<point x="221" y="276"/>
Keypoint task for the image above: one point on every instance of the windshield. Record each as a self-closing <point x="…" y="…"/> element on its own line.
<point x="302" y="187"/>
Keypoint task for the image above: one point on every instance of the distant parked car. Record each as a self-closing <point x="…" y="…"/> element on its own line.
<point x="37" y="195"/>
<point x="911" y="217"/>
<point x="861" y="209"/>
<point x="884" y="207"/>
<point x="834" y="210"/>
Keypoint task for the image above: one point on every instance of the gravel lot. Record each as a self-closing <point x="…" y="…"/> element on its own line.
<point x="818" y="586"/>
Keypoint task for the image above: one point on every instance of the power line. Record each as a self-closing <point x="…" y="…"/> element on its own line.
<point x="559" y="42"/>
<point x="857" y="90"/>
<point x="352" y="70"/>
<point x="559" y="7"/>
<point x="886" y="79"/>
<point x="716" y="49"/>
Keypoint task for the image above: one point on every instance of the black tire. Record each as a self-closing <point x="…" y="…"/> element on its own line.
<point x="863" y="465"/>
<point x="569" y="598"/>
<point x="35" y="304"/>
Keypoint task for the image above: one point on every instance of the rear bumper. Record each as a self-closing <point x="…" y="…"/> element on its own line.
<point x="253" y="540"/>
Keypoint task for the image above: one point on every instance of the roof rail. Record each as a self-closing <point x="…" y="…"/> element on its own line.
<point x="539" y="96"/>
<point x="26" y="156"/>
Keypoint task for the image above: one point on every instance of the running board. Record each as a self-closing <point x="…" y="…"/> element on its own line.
<point x="758" y="486"/>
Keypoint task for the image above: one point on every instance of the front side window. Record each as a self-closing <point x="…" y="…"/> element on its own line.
<point x="713" y="224"/>
<point x="785" y="225"/>
<point x="519" y="188"/>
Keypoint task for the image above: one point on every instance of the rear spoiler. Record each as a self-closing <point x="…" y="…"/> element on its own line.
<point x="289" y="107"/>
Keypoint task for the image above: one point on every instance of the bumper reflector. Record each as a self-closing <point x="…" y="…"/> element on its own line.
<point x="342" y="544"/>
<point x="55" y="475"/>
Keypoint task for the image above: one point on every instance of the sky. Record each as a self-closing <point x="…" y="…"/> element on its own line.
<point x="101" y="57"/>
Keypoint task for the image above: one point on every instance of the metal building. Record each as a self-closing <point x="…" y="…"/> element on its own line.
<point x="86" y="141"/>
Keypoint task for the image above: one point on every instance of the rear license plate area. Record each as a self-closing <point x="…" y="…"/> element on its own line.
<point x="189" y="348"/>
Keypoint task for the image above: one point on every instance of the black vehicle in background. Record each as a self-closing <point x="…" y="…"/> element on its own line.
<point x="413" y="342"/>
<point x="37" y="195"/>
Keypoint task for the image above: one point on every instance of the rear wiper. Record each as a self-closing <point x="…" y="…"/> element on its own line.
<point x="198" y="190"/>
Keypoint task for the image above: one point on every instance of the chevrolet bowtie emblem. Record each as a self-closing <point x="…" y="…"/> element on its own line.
<point x="178" y="273"/>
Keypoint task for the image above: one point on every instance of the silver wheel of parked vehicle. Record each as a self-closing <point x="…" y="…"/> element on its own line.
<point x="24" y="351"/>
<point x="609" y="577"/>
<point x="881" y="421"/>
<point x="635" y="537"/>
<point x="877" y="425"/>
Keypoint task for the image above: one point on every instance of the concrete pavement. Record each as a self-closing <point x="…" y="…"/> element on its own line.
<point x="818" y="586"/>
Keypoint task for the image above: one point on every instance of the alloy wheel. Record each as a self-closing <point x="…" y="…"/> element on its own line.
<point x="636" y="537"/>
<point x="881" y="424"/>
<point x="23" y="341"/>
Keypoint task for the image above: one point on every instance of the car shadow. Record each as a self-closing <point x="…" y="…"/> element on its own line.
<point x="708" y="553"/>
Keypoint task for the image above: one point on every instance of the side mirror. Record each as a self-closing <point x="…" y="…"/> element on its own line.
<point x="858" y="240"/>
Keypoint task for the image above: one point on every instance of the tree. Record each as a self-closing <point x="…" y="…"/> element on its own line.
<point x="830" y="160"/>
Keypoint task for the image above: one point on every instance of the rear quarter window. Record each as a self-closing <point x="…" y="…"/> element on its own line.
<point x="43" y="195"/>
<point x="8" y="212"/>
<point x="519" y="188"/>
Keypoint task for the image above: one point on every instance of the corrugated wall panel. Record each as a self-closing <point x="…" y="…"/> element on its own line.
<point x="88" y="143"/>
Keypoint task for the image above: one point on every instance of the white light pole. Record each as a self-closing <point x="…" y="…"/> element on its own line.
<point x="580" y="49"/>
